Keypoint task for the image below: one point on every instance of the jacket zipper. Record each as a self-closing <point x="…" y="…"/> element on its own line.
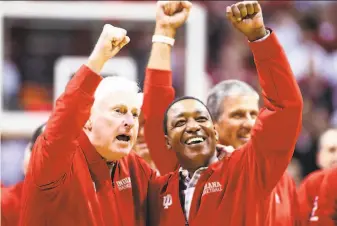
<point x="112" y="175"/>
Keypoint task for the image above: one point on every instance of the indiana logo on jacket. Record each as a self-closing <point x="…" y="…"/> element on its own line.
<point x="277" y="198"/>
<point x="313" y="216"/>
<point x="211" y="187"/>
<point x="124" y="183"/>
<point x="167" y="201"/>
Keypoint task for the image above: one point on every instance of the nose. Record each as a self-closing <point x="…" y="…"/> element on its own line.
<point x="192" y="126"/>
<point x="141" y="130"/>
<point x="128" y="121"/>
<point x="249" y="121"/>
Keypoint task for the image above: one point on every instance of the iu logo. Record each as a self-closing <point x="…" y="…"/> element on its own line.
<point x="277" y="198"/>
<point x="167" y="201"/>
<point x="313" y="216"/>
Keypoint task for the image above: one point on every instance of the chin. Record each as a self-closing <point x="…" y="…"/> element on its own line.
<point x="202" y="155"/>
<point x="117" y="153"/>
<point x="122" y="152"/>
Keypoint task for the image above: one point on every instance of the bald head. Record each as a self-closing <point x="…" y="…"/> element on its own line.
<point x="328" y="137"/>
<point x="116" y="84"/>
<point x="327" y="154"/>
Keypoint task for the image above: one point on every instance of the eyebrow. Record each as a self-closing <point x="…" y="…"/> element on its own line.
<point x="243" y="110"/>
<point x="118" y="106"/>
<point x="135" y="110"/>
<point x="183" y="113"/>
<point x="125" y="106"/>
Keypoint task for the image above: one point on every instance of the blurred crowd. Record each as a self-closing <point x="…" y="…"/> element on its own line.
<point x="307" y="31"/>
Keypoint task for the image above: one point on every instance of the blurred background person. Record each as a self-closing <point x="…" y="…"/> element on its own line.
<point x="141" y="147"/>
<point x="308" y="192"/>
<point x="11" y="196"/>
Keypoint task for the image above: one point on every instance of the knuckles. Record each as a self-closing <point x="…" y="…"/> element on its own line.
<point x="112" y="32"/>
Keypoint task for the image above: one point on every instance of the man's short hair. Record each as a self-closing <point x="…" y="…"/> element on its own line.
<point x="215" y="98"/>
<point x="36" y="134"/>
<point x="177" y="100"/>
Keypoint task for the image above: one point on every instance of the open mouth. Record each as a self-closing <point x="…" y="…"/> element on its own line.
<point x="123" y="138"/>
<point x="194" y="140"/>
<point x="244" y="138"/>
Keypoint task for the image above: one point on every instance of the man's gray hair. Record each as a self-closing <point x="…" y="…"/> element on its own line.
<point x="112" y="84"/>
<point x="225" y="89"/>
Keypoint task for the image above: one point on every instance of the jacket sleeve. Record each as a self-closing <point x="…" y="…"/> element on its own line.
<point x="278" y="124"/>
<point x="158" y="94"/>
<point x="54" y="150"/>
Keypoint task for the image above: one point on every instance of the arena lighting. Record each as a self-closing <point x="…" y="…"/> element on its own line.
<point x="67" y="66"/>
<point x="23" y="124"/>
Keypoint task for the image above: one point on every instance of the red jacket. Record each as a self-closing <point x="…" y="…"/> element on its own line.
<point x="68" y="183"/>
<point x="326" y="212"/>
<point x="11" y="204"/>
<point x="308" y="195"/>
<point x="235" y="185"/>
<point x="281" y="207"/>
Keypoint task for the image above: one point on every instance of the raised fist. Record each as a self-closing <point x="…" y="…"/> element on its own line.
<point x="110" y="42"/>
<point x="172" y="14"/>
<point x="247" y="17"/>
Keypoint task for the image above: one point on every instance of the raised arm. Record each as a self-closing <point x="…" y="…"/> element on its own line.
<point x="279" y="121"/>
<point x="55" y="148"/>
<point x="158" y="90"/>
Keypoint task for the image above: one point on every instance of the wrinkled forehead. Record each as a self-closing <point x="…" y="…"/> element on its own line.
<point x="186" y="107"/>
<point x="131" y="100"/>
<point x="241" y="102"/>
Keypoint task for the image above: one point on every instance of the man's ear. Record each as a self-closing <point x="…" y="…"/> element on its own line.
<point x="216" y="132"/>
<point x="88" y="125"/>
<point x="168" y="142"/>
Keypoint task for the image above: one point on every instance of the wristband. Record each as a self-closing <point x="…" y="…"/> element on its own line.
<point x="163" y="39"/>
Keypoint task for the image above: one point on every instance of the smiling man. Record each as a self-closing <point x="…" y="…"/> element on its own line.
<point x="206" y="190"/>
<point x="192" y="133"/>
<point x="234" y="106"/>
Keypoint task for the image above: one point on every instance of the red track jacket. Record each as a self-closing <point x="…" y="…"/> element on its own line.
<point x="229" y="191"/>
<point x="11" y="204"/>
<point x="326" y="212"/>
<point x="68" y="183"/>
<point x="282" y="205"/>
<point x="308" y="196"/>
